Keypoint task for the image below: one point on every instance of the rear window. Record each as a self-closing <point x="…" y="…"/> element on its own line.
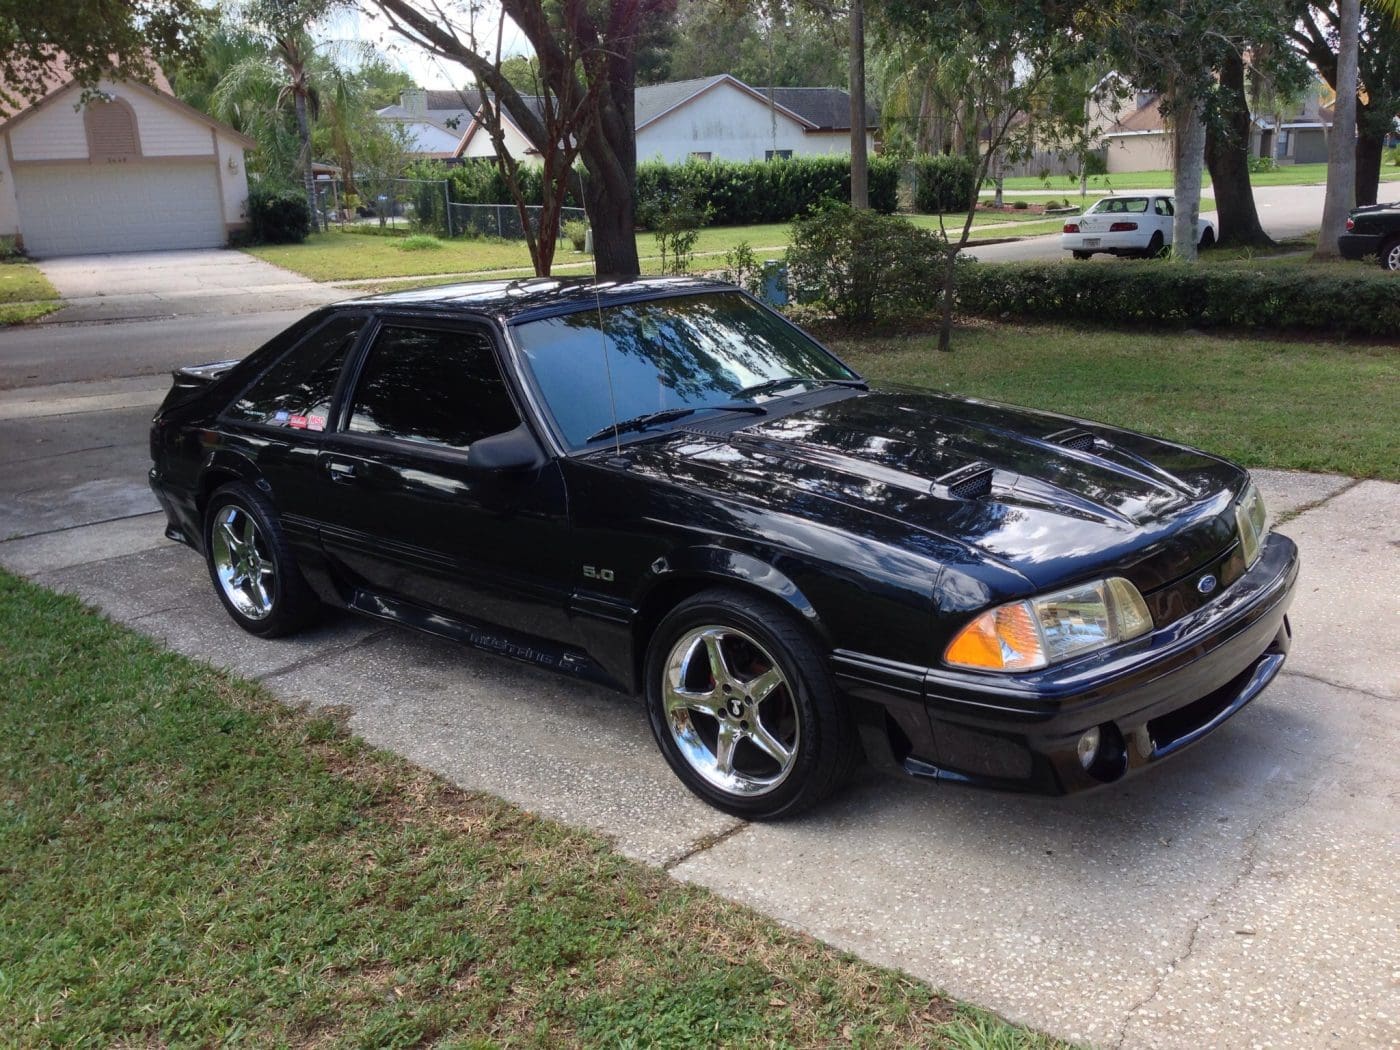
<point x="1120" y="206"/>
<point x="296" y="392"/>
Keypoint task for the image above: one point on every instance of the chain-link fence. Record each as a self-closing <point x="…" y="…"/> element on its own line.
<point x="503" y="220"/>
<point x="423" y="206"/>
<point x="418" y="204"/>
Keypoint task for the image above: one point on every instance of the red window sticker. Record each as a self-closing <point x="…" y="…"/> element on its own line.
<point x="315" y="422"/>
<point x="297" y="422"/>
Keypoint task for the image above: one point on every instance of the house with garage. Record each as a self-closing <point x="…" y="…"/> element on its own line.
<point x="122" y="166"/>
<point x="717" y="118"/>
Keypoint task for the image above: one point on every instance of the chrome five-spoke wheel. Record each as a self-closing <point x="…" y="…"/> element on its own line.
<point x="730" y="710"/>
<point x="242" y="562"/>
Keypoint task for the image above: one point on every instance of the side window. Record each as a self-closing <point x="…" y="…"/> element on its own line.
<point x="1164" y="206"/>
<point x="434" y="385"/>
<point x="296" y="392"/>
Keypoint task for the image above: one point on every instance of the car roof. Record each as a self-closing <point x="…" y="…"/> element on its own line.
<point x="520" y="300"/>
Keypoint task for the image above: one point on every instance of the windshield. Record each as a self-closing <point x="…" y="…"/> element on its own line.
<point x="665" y="356"/>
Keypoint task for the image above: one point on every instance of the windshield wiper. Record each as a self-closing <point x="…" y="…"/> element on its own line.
<point x="668" y="415"/>
<point x="771" y="386"/>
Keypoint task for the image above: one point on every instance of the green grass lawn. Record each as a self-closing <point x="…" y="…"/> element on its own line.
<point x="1290" y="175"/>
<point x="337" y="256"/>
<point x="1319" y="406"/>
<point x="185" y="861"/>
<point x="25" y="293"/>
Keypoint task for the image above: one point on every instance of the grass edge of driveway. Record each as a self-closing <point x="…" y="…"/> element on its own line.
<point x="189" y="859"/>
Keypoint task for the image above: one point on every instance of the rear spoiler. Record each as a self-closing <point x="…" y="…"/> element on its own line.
<point x="193" y="378"/>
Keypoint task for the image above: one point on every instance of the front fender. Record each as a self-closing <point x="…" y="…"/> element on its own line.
<point x="722" y="565"/>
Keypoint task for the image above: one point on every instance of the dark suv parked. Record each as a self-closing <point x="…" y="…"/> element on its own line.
<point x="1373" y="230"/>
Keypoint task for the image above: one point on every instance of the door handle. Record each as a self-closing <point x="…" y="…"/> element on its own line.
<point x="341" y="471"/>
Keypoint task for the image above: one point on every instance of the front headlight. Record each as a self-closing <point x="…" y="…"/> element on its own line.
<point x="1031" y="634"/>
<point x="1253" y="521"/>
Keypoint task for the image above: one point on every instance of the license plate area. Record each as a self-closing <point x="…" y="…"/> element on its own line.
<point x="1091" y="242"/>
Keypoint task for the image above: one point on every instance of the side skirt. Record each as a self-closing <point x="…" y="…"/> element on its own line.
<point x="565" y="660"/>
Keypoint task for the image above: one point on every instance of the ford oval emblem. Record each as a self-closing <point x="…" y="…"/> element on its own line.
<point x="1206" y="584"/>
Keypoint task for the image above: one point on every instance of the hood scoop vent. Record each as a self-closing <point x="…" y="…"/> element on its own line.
<point x="1079" y="440"/>
<point x="973" y="481"/>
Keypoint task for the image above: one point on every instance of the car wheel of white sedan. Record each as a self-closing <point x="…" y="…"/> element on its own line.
<point x="1207" y="239"/>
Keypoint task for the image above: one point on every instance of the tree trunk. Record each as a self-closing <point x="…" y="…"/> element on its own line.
<point x="1370" y="151"/>
<point x="1188" y="145"/>
<point x="1341" y="143"/>
<point x="609" y="151"/>
<point x="308" y="179"/>
<point x="1227" y="156"/>
<point x="860" y="189"/>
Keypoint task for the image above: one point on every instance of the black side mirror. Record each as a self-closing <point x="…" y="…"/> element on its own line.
<point x="512" y="452"/>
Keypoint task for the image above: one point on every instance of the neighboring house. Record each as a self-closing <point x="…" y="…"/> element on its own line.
<point x="1301" y="134"/>
<point x="433" y="120"/>
<point x="132" y="168"/>
<point x="717" y="118"/>
<point x="1133" y="133"/>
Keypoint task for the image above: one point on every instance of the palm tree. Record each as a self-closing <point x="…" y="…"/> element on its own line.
<point x="281" y="74"/>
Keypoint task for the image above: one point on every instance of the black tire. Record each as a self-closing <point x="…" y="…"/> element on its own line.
<point x="805" y="713"/>
<point x="1390" y="255"/>
<point x="1156" y="246"/>
<point x="1207" y="239"/>
<point x="1081" y="256"/>
<point x="291" y="604"/>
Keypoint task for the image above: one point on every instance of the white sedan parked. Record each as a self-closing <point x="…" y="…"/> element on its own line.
<point x="1128" y="226"/>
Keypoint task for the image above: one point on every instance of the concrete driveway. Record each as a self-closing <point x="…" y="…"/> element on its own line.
<point x="157" y="285"/>
<point x="1240" y="896"/>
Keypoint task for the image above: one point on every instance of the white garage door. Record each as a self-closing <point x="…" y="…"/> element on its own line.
<point x="82" y="210"/>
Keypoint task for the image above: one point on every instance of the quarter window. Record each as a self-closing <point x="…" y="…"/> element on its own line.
<point x="438" y="386"/>
<point x="296" y="392"/>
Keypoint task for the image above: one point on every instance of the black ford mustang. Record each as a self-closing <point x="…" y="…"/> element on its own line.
<point x="662" y="486"/>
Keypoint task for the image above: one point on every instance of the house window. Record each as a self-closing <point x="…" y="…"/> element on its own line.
<point x="777" y="154"/>
<point x="1285" y="144"/>
<point x="111" y="130"/>
<point x="702" y="156"/>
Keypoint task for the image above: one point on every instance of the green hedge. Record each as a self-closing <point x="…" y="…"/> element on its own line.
<point x="1342" y="299"/>
<point x="740" y="194"/>
<point x="942" y="183"/>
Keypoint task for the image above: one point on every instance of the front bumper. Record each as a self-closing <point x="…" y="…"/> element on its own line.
<point x="1150" y="698"/>
<point x="1359" y="245"/>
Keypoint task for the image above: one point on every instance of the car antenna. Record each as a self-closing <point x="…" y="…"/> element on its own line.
<point x="602" y="326"/>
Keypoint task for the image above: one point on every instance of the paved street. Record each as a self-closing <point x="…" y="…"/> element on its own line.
<point x="1284" y="211"/>
<point x="1240" y="896"/>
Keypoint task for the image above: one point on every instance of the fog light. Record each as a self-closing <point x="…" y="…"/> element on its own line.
<point x="1089" y="747"/>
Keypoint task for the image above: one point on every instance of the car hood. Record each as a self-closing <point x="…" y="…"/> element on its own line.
<point x="1053" y="498"/>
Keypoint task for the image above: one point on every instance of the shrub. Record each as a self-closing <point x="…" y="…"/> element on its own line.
<point x="420" y="242"/>
<point x="1392" y="156"/>
<point x="479" y="181"/>
<point x="742" y="268"/>
<point x="1096" y="163"/>
<point x="1258" y="164"/>
<point x="739" y="194"/>
<point x="278" y="215"/>
<point x="675" y="220"/>
<point x="1341" y="299"/>
<point x="865" y="266"/>
<point x="576" y="230"/>
<point x="1020" y="205"/>
<point x="9" y="250"/>
<point x="943" y="183"/>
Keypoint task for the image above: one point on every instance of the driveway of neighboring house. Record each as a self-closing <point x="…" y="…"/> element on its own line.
<point x="196" y="282"/>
